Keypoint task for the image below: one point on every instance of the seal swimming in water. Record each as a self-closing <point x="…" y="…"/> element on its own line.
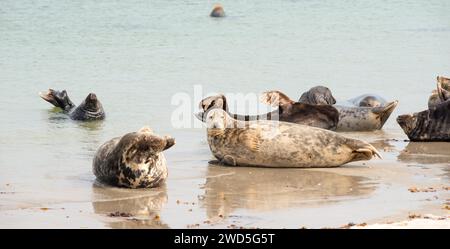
<point x="89" y="109"/>
<point x="429" y="125"/>
<point x="441" y="94"/>
<point x="325" y="117"/>
<point x="134" y="160"/>
<point x="217" y="11"/>
<point x="364" y="113"/>
<point x="269" y="143"/>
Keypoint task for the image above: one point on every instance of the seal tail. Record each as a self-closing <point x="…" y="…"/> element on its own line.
<point x="385" y="111"/>
<point x="363" y="151"/>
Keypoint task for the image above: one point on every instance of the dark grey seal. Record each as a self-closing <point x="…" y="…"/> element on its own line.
<point x="363" y="113"/>
<point x="325" y="117"/>
<point x="429" y="125"/>
<point x="134" y="160"/>
<point x="89" y="109"/>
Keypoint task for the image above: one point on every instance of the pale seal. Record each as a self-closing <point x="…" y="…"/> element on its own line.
<point x="268" y="143"/>
<point x="429" y="125"/>
<point x="89" y="109"/>
<point x="363" y="113"/>
<point x="325" y="117"/>
<point x="134" y="160"/>
<point x="217" y="11"/>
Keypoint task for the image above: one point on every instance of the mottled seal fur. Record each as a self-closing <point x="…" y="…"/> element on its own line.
<point x="89" y="109"/>
<point x="269" y="143"/>
<point x="429" y="125"/>
<point x="363" y="113"/>
<point x="134" y="160"/>
<point x="325" y="117"/>
<point x="217" y="11"/>
<point x="441" y="93"/>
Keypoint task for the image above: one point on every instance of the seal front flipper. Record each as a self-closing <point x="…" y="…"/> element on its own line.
<point x="58" y="99"/>
<point x="229" y="160"/>
<point x="275" y="99"/>
<point x="362" y="150"/>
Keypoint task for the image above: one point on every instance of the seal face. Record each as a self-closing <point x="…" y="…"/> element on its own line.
<point x="90" y="109"/>
<point x="368" y="100"/>
<point x="325" y="117"/>
<point x="134" y="160"/>
<point x="217" y="11"/>
<point x="429" y="125"/>
<point x="269" y="143"/>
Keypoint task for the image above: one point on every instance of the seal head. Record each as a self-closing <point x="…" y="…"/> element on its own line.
<point x="318" y="95"/>
<point x="58" y="99"/>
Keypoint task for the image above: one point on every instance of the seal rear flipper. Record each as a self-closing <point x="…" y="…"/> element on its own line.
<point x="363" y="151"/>
<point x="275" y="98"/>
<point x="443" y="94"/>
<point x="58" y="99"/>
<point x="385" y="111"/>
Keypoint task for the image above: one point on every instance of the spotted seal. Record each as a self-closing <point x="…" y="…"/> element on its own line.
<point x="287" y="110"/>
<point x="89" y="109"/>
<point x="134" y="160"/>
<point x="217" y="11"/>
<point x="429" y="125"/>
<point x="363" y="113"/>
<point x="441" y="93"/>
<point x="269" y="143"/>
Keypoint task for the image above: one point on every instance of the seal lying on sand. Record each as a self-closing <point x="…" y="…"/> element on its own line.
<point x="441" y="94"/>
<point x="269" y="143"/>
<point x="429" y="125"/>
<point x="134" y="160"/>
<point x="364" y="113"/>
<point x="325" y="117"/>
<point x="89" y="109"/>
<point x="217" y="11"/>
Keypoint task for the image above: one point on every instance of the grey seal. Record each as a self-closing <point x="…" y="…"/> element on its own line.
<point x="134" y="160"/>
<point x="363" y="113"/>
<point x="287" y="110"/>
<point x="268" y="143"/>
<point x="89" y="109"/>
<point x="429" y="125"/>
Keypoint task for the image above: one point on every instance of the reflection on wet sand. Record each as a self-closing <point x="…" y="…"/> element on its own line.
<point x="263" y="189"/>
<point x="383" y="145"/>
<point x="426" y="153"/>
<point x="142" y="205"/>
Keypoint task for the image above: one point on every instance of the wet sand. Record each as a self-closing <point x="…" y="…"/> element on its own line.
<point x="412" y="180"/>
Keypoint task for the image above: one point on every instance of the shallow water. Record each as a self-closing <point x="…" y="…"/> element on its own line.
<point x="135" y="55"/>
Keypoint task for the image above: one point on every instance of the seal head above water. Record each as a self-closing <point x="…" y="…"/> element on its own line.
<point x="134" y="160"/>
<point x="269" y="143"/>
<point x="217" y="11"/>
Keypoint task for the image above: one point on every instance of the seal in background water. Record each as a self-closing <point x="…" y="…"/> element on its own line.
<point x="134" y="160"/>
<point x="268" y="143"/>
<point x="217" y="11"/>
<point x="89" y="109"/>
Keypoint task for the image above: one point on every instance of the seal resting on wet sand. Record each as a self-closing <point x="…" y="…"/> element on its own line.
<point x="217" y="11"/>
<point x="134" y="160"/>
<point x="89" y="109"/>
<point x="325" y="117"/>
<point x="364" y="113"/>
<point x="269" y="143"/>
